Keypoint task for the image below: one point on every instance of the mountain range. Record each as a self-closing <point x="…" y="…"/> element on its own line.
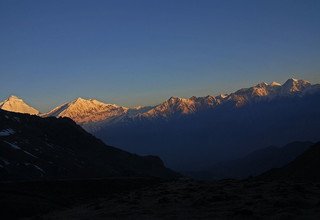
<point x="200" y="131"/>
<point x="90" y="111"/>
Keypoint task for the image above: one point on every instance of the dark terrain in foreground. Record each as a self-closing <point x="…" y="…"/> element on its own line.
<point x="188" y="199"/>
<point x="290" y="192"/>
<point x="143" y="198"/>
<point x="53" y="169"/>
<point x="253" y="164"/>
<point x="34" y="198"/>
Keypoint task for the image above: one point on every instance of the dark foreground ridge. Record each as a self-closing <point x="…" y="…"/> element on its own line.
<point x="34" y="148"/>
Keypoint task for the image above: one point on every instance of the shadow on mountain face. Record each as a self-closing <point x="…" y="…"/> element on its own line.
<point x="49" y="148"/>
<point x="254" y="163"/>
<point x="202" y="139"/>
<point x="304" y="168"/>
<point x="49" y="164"/>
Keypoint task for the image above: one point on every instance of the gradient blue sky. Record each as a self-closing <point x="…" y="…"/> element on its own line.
<point x="142" y="52"/>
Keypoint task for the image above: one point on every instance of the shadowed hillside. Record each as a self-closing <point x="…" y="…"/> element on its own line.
<point x="303" y="168"/>
<point x="49" y="148"/>
<point x="254" y="163"/>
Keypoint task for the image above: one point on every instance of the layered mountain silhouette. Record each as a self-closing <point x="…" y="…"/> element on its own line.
<point x="304" y="168"/>
<point x="198" y="132"/>
<point x="194" y="133"/>
<point x="190" y="135"/>
<point x="254" y="163"/>
<point x="32" y="148"/>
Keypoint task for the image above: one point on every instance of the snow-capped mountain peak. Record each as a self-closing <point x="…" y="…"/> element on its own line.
<point x="294" y="85"/>
<point x="184" y="106"/>
<point x="13" y="97"/>
<point x="222" y="96"/>
<point x="16" y="104"/>
<point x="87" y="110"/>
<point x="290" y="87"/>
<point x="171" y="106"/>
<point x="175" y="105"/>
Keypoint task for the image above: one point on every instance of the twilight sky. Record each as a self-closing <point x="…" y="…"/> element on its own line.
<point x="142" y="52"/>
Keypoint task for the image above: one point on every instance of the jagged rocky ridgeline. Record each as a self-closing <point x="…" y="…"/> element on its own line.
<point x="91" y="111"/>
<point x="32" y="147"/>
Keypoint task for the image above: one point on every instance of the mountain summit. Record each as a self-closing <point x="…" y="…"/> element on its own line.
<point x="16" y="104"/>
<point x="87" y="110"/>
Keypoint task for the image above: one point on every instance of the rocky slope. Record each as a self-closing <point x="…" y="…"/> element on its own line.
<point x="32" y="148"/>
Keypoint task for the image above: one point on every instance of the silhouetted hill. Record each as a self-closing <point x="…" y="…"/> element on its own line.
<point x="304" y="168"/>
<point x="254" y="163"/>
<point x="32" y="147"/>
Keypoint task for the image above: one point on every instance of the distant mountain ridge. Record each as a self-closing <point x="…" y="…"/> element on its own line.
<point x="201" y="131"/>
<point x="176" y="106"/>
<point x="91" y="111"/>
<point x="241" y="97"/>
